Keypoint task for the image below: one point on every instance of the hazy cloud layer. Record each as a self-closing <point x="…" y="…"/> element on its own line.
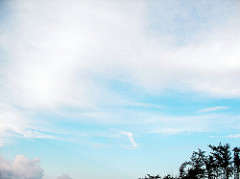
<point x="57" y="53"/>
<point x="64" y="176"/>
<point x="20" y="168"/>
<point x="70" y="54"/>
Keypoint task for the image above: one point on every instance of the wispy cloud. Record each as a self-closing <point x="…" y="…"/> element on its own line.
<point x="15" y="123"/>
<point x="37" y="134"/>
<point x="202" y="123"/>
<point x="130" y="137"/>
<point x="172" y="131"/>
<point x="233" y="136"/>
<point x="12" y="121"/>
<point x="64" y="176"/>
<point x="211" y="109"/>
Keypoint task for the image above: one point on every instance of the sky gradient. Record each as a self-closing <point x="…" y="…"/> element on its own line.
<point x="115" y="89"/>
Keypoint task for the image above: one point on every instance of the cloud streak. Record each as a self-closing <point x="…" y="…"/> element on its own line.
<point x="233" y="136"/>
<point x="15" y="123"/>
<point x="211" y="109"/>
<point x="130" y="137"/>
<point x="64" y="176"/>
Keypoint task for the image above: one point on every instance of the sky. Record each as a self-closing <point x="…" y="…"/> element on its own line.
<point x="115" y="89"/>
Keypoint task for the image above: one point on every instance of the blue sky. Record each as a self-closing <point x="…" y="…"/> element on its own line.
<point x="116" y="89"/>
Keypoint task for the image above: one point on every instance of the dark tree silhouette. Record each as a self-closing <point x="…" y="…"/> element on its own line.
<point x="236" y="162"/>
<point x="218" y="164"/>
<point x="211" y="167"/>
<point x="183" y="170"/>
<point x="195" y="168"/>
<point x="198" y="160"/>
<point x="187" y="170"/>
<point x="168" y="176"/>
<point x="151" y="177"/>
<point x="222" y="159"/>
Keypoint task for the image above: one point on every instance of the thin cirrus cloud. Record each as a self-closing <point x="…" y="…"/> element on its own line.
<point x="13" y="122"/>
<point x="173" y="131"/>
<point x="211" y="109"/>
<point x="204" y="123"/>
<point x="130" y="137"/>
<point x="233" y="136"/>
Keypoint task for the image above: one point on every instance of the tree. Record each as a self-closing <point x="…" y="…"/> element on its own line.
<point x="168" y="176"/>
<point x="195" y="168"/>
<point x="218" y="164"/>
<point x="198" y="160"/>
<point x="236" y="162"/>
<point x="222" y="160"/>
<point x="211" y="167"/>
<point x="183" y="169"/>
<point x="187" y="171"/>
<point x="151" y="177"/>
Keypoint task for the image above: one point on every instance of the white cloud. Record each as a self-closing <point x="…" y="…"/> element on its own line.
<point x="173" y="131"/>
<point x="36" y="134"/>
<point x="62" y="55"/>
<point x="233" y="136"/>
<point x="64" y="176"/>
<point x="59" y="53"/>
<point x="130" y="137"/>
<point x="20" y="168"/>
<point x="204" y="123"/>
<point x="65" y="54"/>
<point x="1" y="142"/>
<point x="13" y="122"/>
<point x="211" y="109"/>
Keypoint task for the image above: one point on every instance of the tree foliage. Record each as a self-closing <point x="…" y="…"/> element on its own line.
<point x="218" y="164"/>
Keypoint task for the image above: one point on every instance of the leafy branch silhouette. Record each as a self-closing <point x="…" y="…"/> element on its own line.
<point x="218" y="164"/>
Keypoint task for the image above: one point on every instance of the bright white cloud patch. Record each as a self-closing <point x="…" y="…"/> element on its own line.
<point x="20" y="168"/>
<point x="62" y="55"/>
